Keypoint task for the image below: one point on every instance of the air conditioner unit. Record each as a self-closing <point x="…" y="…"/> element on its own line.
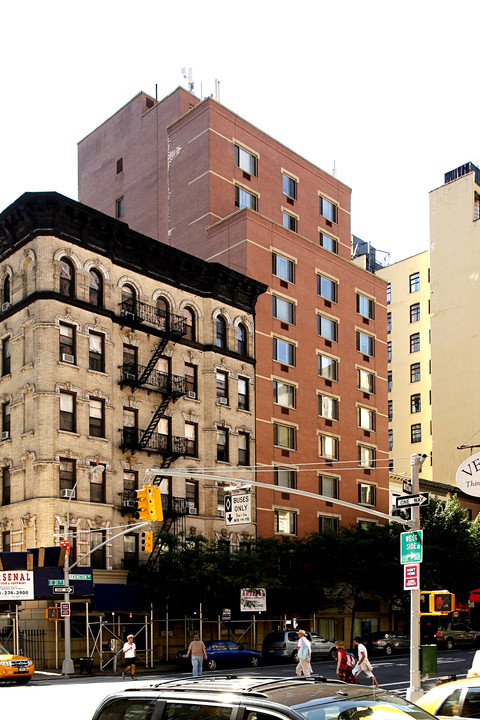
<point x="68" y="358"/>
<point x="221" y="512"/>
<point x="192" y="395"/>
<point x="129" y="503"/>
<point x="128" y="314"/>
<point x="223" y="401"/>
<point x="67" y="493"/>
<point x="5" y="434"/>
<point x="5" y="306"/>
<point x="193" y="511"/>
<point x="129" y="376"/>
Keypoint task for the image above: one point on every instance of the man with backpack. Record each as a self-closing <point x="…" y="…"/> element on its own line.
<point x="345" y="663"/>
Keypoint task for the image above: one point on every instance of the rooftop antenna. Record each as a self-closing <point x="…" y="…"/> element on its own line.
<point x="217" y="90"/>
<point x="334" y="171"/>
<point x="188" y="76"/>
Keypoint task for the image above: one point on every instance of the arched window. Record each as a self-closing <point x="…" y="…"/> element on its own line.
<point x="162" y="313"/>
<point x="242" y="340"/>
<point x="6" y="289"/>
<point x="129" y="298"/>
<point x="221" y="339"/>
<point x="95" y="290"/>
<point x="189" y="318"/>
<point x="67" y="278"/>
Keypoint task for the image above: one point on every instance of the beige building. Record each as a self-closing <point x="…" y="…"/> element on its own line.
<point x="122" y="351"/>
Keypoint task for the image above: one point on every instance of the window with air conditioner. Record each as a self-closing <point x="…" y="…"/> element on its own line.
<point x="67" y="337"/>
<point x="190" y="375"/>
<point x="222" y="387"/>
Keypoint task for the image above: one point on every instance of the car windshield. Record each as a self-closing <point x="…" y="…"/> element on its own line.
<point x="382" y="706"/>
<point x="4" y="651"/>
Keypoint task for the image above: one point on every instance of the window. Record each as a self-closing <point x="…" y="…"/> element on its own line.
<point x="67" y="338"/>
<point x="389" y="293"/>
<point x="130" y="428"/>
<point x="328" y="447"/>
<point x="329" y="243"/>
<point x="245" y="199"/>
<point x="221" y="501"/>
<point x="6" y="356"/>
<point x="67" y="278"/>
<point x="242" y="340"/>
<point x="415" y="312"/>
<point x="119" y="208"/>
<point x="284" y="436"/>
<point x="67" y="471"/>
<point x="243" y="387"/>
<point x="390" y="439"/>
<point x="129" y="301"/>
<point x="416" y="433"/>
<point x="130" y="482"/>
<point x="327" y="524"/>
<point x="162" y="309"/>
<point x="328" y="407"/>
<point x="328" y="486"/>
<point x="6" y="541"/>
<point x="97" y="485"/>
<point x="366" y="456"/>
<point x="243" y="448"/>
<point x="129" y="362"/>
<point x="389" y="351"/>
<point x="327" y="367"/>
<point x="414" y="282"/>
<point x="283" y="394"/>
<point x="67" y="412"/>
<point x="191" y="439"/>
<point x="222" y="444"/>
<point x="285" y="522"/>
<point x="6" y="290"/>
<point x="97" y="553"/>
<point x="189" y="324"/>
<point x="365" y="381"/>
<point x="366" y="494"/>
<point x="283" y="310"/>
<point x="328" y="209"/>
<point x="327" y="328"/>
<point x="415" y="372"/>
<point x="6" y="486"/>
<point x="221" y="332"/>
<point x="389" y="323"/>
<point x="191" y="380"/>
<point x="283" y="351"/>
<point x="222" y="387"/>
<point x="245" y="160"/>
<point x="119" y="165"/>
<point x="415" y="342"/>
<point x="415" y="403"/>
<point x="365" y="306"/>
<point x="390" y="410"/>
<point x="365" y="344"/>
<point x="289" y="186"/>
<point x="96" y="426"/>
<point x="130" y="551"/>
<point x="366" y="418"/>
<point x="283" y="268"/>
<point x="95" y="288"/>
<point x="191" y="496"/>
<point x="326" y="288"/>
<point x="285" y="477"/>
<point x="289" y="221"/>
<point x="389" y="381"/>
<point x="96" y="351"/>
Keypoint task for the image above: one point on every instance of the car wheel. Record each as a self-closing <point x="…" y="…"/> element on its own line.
<point x="295" y="656"/>
<point x="254" y="661"/>
<point x="449" y="644"/>
<point x="388" y="649"/>
<point x="332" y="654"/>
<point x="211" y="664"/>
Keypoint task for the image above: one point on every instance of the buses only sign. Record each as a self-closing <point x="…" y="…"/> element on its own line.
<point x="16" y="585"/>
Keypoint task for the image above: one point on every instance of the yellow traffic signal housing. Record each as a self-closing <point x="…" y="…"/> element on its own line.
<point x="442" y="602"/>
<point x="53" y="613"/>
<point x="156" y="501"/>
<point x="147" y="541"/>
<point x="148" y="505"/>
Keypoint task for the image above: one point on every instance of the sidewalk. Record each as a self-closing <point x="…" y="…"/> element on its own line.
<point x="55" y="675"/>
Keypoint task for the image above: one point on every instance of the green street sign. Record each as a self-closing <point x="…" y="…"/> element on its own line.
<point x="411" y="547"/>
<point x="56" y="582"/>
<point x="80" y="577"/>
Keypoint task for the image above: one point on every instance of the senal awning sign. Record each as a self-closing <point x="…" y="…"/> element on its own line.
<point x="16" y="585"/>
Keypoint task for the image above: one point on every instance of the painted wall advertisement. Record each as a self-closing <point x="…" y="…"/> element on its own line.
<point x="253" y="599"/>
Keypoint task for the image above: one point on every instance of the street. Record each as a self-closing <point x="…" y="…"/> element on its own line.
<point x="77" y="698"/>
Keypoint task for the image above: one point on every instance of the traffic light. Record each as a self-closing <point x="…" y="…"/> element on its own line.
<point x="148" y="504"/>
<point x="424" y="603"/>
<point x="442" y="603"/>
<point x="53" y="613"/>
<point x="147" y="541"/>
<point x="156" y="500"/>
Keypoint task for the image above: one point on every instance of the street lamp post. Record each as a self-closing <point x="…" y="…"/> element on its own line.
<point x="67" y="665"/>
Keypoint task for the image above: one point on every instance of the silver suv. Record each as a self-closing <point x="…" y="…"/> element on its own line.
<point x="282" y="644"/>
<point x="456" y="633"/>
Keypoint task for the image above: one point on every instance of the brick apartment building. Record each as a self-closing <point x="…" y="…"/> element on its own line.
<point x="195" y="175"/>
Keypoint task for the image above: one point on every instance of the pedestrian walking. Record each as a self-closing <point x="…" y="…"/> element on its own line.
<point x="304" y="649"/>
<point x="363" y="663"/>
<point x="345" y="663"/>
<point x="198" y="652"/>
<point x="129" y="653"/>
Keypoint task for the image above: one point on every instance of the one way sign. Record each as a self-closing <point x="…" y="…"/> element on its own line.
<point x="238" y="509"/>
<point x="412" y="500"/>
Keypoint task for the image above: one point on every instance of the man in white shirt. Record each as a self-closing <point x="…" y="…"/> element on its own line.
<point x="304" y="649"/>
<point x="129" y="653"/>
<point x="363" y="664"/>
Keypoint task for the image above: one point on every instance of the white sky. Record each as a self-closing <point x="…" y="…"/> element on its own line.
<point x="388" y="92"/>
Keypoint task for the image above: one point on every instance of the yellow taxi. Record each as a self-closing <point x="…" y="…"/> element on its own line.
<point x="460" y="698"/>
<point x="15" y="667"/>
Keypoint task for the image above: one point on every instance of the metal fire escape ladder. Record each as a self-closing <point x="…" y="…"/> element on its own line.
<point x="159" y="410"/>
<point x="153" y="360"/>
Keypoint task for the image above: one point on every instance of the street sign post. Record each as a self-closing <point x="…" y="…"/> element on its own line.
<point x="411" y="577"/>
<point x="407" y="487"/>
<point x="238" y="509"/>
<point x="411" y="547"/>
<point x="62" y="589"/>
<point x="418" y="499"/>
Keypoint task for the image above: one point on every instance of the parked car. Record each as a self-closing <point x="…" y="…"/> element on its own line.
<point x="460" y="698"/>
<point x="282" y="645"/>
<point x="456" y="633"/>
<point x="221" y="653"/>
<point x="15" y="667"/>
<point x="256" y="698"/>
<point x="388" y="642"/>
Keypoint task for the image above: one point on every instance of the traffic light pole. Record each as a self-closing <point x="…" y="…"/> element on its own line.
<point x="415" y="690"/>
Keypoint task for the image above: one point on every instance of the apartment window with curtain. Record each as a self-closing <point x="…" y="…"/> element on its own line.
<point x="283" y="394"/>
<point x="243" y="388"/>
<point x="191" y="496"/>
<point x="365" y="381"/>
<point x="328" y="407"/>
<point x="243" y="448"/>
<point x="222" y="387"/>
<point x="366" y="494"/>
<point x="245" y="160"/>
<point x="189" y="324"/>
<point x="285" y="477"/>
<point x="327" y="328"/>
<point x="415" y="312"/>
<point x="365" y="344"/>
<point x="327" y="288"/>
<point x="289" y="186"/>
<point x="366" y="418"/>
<point x="415" y="403"/>
<point x="245" y="199"/>
<point x="328" y="486"/>
<point x="365" y="306"/>
<point x="67" y="412"/>
<point x="415" y="372"/>
<point x="327" y="524"/>
<point x="191" y="380"/>
<point x="95" y="289"/>
<point x="415" y="342"/>
<point x="327" y="367"/>
<point x="283" y="267"/>
<point x="328" y="447"/>
<point x="328" y="209"/>
<point x="284" y="436"/>
<point x="283" y="310"/>
<point x="366" y="456"/>
<point x="283" y="352"/>
<point x="67" y="472"/>
<point x="67" y="278"/>
<point x="285" y="522"/>
<point x="222" y="444"/>
<point x="97" y="485"/>
<point x="96" y="351"/>
<point x="96" y="427"/>
<point x="191" y="439"/>
<point x="329" y="243"/>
